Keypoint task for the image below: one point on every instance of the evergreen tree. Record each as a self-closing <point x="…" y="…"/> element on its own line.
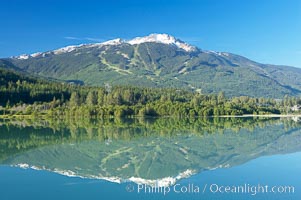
<point x="74" y="99"/>
<point x="221" y="97"/>
<point x="91" y="99"/>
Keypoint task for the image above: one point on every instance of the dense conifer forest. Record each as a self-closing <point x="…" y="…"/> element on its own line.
<point x="24" y="95"/>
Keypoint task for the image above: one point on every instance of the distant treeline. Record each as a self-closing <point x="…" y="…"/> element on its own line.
<point x="21" y="95"/>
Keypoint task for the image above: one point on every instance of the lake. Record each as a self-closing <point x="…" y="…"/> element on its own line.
<point x="164" y="158"/>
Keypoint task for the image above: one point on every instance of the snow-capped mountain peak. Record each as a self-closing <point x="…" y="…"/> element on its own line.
<point x="162" y="38"/>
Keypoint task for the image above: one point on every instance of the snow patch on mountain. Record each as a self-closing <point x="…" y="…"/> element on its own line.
<point x="66" y="49"/>
<point x="22" y="57"/>
<point x="34" y="55"/>
<point x="218" y="53"/>
<point x="113" y="42"/>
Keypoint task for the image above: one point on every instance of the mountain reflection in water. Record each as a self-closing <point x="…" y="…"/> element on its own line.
<point x="149" y="151"/>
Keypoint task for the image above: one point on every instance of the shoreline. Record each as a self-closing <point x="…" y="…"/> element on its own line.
<point x="268" y="115"/>
<point x="218" y="116"/>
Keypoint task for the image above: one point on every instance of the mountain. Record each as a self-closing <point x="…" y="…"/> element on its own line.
<point x="160" y="60"/>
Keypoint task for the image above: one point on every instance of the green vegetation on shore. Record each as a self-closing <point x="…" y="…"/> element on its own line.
<point x="22" y="95"/>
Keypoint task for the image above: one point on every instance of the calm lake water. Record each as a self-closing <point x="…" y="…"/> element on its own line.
<point x="214" y="158"/>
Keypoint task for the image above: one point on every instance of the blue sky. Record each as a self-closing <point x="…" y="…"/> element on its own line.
<point x="266" y="31"/>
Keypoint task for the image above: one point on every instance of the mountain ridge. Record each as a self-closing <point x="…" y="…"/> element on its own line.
<point x="154" y="37"/>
